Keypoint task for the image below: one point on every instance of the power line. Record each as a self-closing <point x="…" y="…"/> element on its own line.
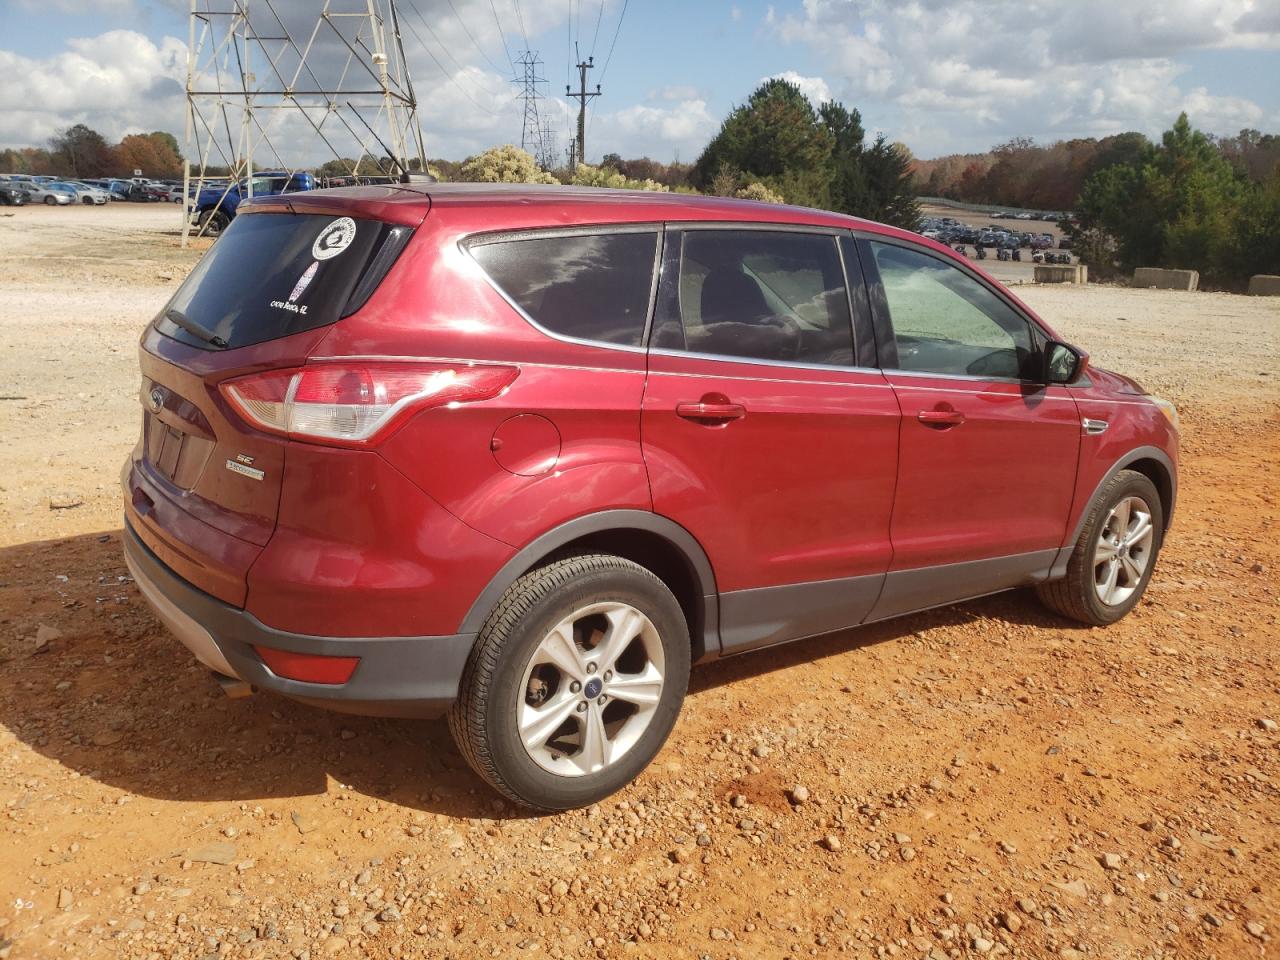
<point x="596" y="36"/>
<point x="502" y="35"/>
<point x="445" y="47"/>
<point x="462" y="23"/>
<point x="440" y="66"/>
<point x="614" y="43"/>
<point x="520" y="19"/>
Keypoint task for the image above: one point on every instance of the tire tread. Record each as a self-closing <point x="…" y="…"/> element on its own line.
<point x="466" y="717"/>
<point x="1066" y="595"/>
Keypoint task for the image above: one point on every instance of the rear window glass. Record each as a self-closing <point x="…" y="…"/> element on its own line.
<point x="275" y="274"/>
<point x="593" y="287"/>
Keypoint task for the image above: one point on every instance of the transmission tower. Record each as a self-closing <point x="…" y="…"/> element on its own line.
<point x="547" y="146"/>
<point x="531" y="131"/>
<point x="257" y="98"/>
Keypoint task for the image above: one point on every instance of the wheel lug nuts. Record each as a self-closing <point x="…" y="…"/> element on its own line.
<point x="591" y="668"/>
<point x="608" y="675"/>
<point x="582" y="707"/>
<point x="601" y="701"/>
<point x="575" y="687"/>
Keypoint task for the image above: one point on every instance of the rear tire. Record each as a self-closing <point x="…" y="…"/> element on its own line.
<point x="574" y="683"/>
<point x="1114" y="556"/>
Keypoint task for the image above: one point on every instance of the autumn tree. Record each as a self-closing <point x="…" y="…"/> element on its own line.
<point x="155" y="154"/>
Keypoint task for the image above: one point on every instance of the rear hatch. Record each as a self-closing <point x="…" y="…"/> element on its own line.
<point x="202" y="487"/>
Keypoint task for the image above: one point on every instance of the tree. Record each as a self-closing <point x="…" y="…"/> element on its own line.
<point x="81" y="152"/>
<point x="1182" y="204"/>
<point x="885" y="192"/>
<point x="155" y="154"/>
<point x="775" y="138"/>
<point x="848" y="182"/>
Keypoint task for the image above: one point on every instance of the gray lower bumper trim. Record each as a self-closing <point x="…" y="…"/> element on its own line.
<point x="397" y="676"/>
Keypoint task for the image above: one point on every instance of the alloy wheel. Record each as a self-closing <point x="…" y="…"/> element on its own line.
<point x="590" y="689"/>
<point x="1123" y="550"/>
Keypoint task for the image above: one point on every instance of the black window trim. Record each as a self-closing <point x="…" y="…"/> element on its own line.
<point x="856" y="315"/>
<point x="882" y="319"/>
<point x="466" y="243"/>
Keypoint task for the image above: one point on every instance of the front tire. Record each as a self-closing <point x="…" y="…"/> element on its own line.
<point x="574" y="683"/>
<point x="50" y="201"/>
<point x="215" y="223"/>
<point x="1114" y="556"/>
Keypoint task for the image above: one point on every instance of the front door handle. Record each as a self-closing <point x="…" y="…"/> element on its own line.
<point x="941" y="419"/>
<point x="707" y="412"/>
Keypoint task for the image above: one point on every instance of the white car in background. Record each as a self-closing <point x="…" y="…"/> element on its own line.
<point x="87" y="193"/>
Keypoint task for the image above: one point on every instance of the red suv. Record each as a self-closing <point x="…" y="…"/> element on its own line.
<point x="522" y="455"/>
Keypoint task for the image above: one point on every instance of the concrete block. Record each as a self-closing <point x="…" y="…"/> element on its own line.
<point x="1264" y="285"/>
<point x="1166" y="279"/>
<point x="1060" y="273"/>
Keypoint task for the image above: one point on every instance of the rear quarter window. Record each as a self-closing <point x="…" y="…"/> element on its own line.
<point x="585" y="286"/>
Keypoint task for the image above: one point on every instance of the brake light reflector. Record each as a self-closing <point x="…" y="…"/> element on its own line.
<point x="357" y="403"/>
<point x="308" y="667"/>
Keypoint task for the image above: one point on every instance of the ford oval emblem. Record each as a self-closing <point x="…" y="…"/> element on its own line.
<point x="156" y="398"/>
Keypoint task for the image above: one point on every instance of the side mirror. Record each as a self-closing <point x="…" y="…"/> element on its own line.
<point x="1064" y="363"/>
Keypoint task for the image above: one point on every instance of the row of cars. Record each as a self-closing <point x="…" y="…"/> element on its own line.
<point x="19" y="189"/>
<point x="950" y="231"/>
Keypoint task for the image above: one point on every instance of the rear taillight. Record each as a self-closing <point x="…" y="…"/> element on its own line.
<point x="358" y="403"/>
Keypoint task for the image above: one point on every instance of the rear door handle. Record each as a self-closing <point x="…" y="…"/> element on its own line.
<point x="940" y="418"/>
<point x="711" y="412"/>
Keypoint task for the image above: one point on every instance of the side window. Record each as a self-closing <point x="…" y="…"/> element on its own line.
<point x="757" y="294"/>
<point x="593" y="287"/>
<point x="946" y="322"/>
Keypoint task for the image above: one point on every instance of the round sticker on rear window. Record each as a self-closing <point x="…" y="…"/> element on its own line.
<point x="334" y="238"/>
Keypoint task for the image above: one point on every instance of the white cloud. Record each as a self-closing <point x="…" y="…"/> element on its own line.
<point x="661" y="132"/>
<point x="120" y="82"/>
<point x="815" y="88"/>
<point x="959" y="75"/>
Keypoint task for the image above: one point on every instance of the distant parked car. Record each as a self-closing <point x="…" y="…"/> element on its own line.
<point x="176" y="194"/>
<point x="87" y="193"/>
<point x="1064" y="243"/>
<point x="12" y="195"/>
<point x="54" y="194"/>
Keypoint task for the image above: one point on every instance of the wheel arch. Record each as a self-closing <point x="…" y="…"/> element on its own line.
<point x="1156" y="466"/>
<point x="653" y="541"/>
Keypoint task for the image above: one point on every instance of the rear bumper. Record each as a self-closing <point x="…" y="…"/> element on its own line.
<point x="396" y="676"/>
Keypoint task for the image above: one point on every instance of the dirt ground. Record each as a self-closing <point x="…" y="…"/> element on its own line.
<point x="984" y="779"/>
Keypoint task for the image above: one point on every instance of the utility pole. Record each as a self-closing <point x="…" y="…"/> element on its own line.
<point x="582" y="96"/>
<point x="531" y="131"/>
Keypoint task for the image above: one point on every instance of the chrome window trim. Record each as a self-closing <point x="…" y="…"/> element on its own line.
<point x="824" y="229"/>
<point x="923" y="374"/>
<point x="796" y="365"/>
<point x="465" y="244"/>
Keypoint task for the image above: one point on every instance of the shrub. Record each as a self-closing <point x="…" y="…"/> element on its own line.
<point x="505" y="164"/>
<point x="758" y="191"/>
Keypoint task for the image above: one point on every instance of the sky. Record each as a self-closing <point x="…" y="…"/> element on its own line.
<point x="941" y="76"/>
